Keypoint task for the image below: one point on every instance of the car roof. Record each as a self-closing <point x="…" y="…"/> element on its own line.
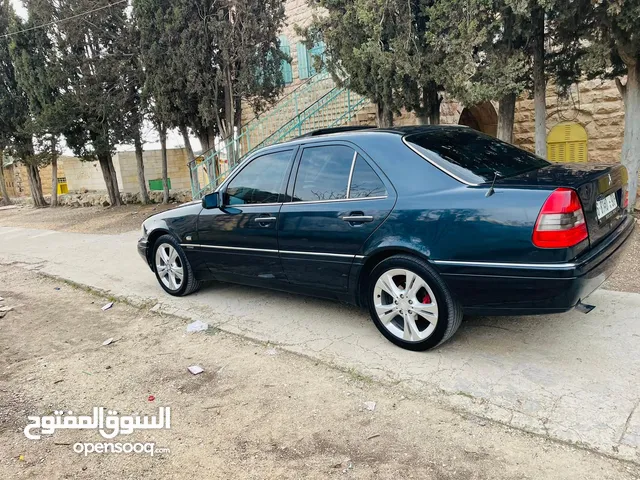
<point x="355" y="132"/>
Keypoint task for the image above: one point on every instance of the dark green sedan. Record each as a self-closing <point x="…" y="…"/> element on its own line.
<point x="419" y="224"/>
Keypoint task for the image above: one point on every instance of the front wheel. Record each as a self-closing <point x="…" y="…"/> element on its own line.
<point x="172" y="268"/>
<point x="411" y="305"/>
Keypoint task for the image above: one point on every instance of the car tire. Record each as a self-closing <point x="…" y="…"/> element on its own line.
<point x="163" y="250"/>
<point x="419" y="316"/>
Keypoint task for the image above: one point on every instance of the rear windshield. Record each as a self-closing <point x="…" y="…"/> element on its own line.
<point x="472" y="156"/>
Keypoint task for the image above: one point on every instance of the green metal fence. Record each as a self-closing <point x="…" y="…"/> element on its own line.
<point x="316" y="104"/>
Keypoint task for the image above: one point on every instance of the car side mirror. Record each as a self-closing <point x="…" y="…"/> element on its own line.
<point x="211" y="201"/>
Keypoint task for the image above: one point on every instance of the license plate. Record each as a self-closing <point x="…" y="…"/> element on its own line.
<point x="606" y="205"/>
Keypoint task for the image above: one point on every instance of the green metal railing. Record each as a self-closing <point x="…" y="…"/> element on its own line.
<point x="314" y="107"/>
<point x="207" y="165"/>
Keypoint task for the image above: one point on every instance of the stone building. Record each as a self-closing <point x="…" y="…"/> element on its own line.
<point x="587" y="126"/>
<point x="16" y="178"/>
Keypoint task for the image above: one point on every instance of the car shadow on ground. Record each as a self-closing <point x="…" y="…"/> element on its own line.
<point x="476" y="333"/>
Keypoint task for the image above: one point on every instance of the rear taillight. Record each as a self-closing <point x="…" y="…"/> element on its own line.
<point x="625" y="199"/>
<point x="561" y="222"/>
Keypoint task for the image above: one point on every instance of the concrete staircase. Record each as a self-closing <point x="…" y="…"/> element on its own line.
<point x="317" y="104"/>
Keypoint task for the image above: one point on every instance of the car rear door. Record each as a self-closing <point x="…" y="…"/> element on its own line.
<point x="337" y="197"/>
<point x="240" y="239"/>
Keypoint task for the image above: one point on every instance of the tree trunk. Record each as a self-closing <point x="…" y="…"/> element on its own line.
<point x="54" y="173"/>
<point x="204" y="141"/>
<point x="110" y="179"/>
<point x="35" y="186"/>
<point x="5" y="200"/>
<point x="384" y="115"/>
<point x="631" y="143"/>
<point x="142" y="182"/>
<point x="506" y="116"/>
<point x="539" y="83"/>
<point x="114" y="180"/>
<point x="429" y="114"/>
<point x="227" y="128"/>
<point x="195" y="184"/>
<point x="165" y="181"/>
<point x="54" y="181"/>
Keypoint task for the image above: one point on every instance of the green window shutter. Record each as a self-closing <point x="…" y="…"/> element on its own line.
<point x="317" y="51"/>
<point x="303" y="61"/>
<point x="285" y="66"/>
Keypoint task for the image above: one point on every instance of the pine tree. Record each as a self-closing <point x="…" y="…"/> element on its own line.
<point x="605" y="39"/>
<point x="97" y="88"/>
<point x="16" y="123"/>
<point x="40" y="79"/>
<point x="378" y="48"/>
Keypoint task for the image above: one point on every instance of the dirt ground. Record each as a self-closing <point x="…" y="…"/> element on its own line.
<point x="109" y="220"/>
<point x="255" y="412"/>
<point x="129" y="217"/>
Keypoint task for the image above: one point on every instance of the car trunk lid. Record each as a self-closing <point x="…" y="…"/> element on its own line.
<point x="601" y="189"/>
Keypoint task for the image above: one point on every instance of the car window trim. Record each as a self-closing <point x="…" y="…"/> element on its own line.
<point x="289" y="198"/>
<point x="244" y="205"/>
<point x="236" y="171"/>
<point x="353" y="166"/>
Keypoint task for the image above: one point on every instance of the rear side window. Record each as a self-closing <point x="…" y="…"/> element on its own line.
<point x="323" y="173"/>
<point x="365" y="183"/>
<point x="262" y="181"/>
<point x="473" y="156"/>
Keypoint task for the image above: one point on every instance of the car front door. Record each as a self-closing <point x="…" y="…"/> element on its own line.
<point x="240" y="239"/>
<point x="336" y="199"/>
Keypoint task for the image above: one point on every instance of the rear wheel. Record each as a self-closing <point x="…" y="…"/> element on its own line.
<point x="411" y="305"/>
<point x="172" y="268"/>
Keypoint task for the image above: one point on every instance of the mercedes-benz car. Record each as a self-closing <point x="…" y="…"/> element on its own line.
<point x="420" y="225"/>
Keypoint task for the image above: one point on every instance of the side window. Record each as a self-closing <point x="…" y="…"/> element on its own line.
<point x="365" y="182"/>
<point x="323" y="173"/>
<point x="262" y="181"/>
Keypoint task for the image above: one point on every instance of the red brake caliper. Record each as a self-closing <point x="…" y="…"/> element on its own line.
<point x="426" y="299"/>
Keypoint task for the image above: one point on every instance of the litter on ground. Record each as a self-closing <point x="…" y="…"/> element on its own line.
<point x="197" y="326"/>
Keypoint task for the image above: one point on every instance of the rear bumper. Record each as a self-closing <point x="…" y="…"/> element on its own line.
<point x="143" y="250"/>
<point x="523" y="289"/>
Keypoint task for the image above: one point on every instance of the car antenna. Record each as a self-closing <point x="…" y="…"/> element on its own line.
<point x="491" y="190"/>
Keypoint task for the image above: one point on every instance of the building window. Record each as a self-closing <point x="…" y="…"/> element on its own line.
<point x="567" y="142"/>
<point x="306" y="59"/>
<point x="285" y="66"/>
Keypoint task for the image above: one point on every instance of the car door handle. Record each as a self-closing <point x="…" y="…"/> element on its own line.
<point x="264" y="219"/>
<point x="358" y="218"/>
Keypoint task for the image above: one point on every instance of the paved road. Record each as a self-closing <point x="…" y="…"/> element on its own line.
<point x="573" y="377"/>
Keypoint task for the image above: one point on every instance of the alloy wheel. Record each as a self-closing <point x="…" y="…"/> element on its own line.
<point x="169" y="266"/>
<point x="405" y="305"/>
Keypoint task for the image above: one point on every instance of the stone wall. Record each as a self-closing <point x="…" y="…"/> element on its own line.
<point x="595" y="105"/>
<point x="127" y="172"/>
<point x="9" y="181"/>
<point x="87" y="176"/>
<point x="92" y="199"/>
<point x="17" y="178"/>
<point x="82" y="175"/>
